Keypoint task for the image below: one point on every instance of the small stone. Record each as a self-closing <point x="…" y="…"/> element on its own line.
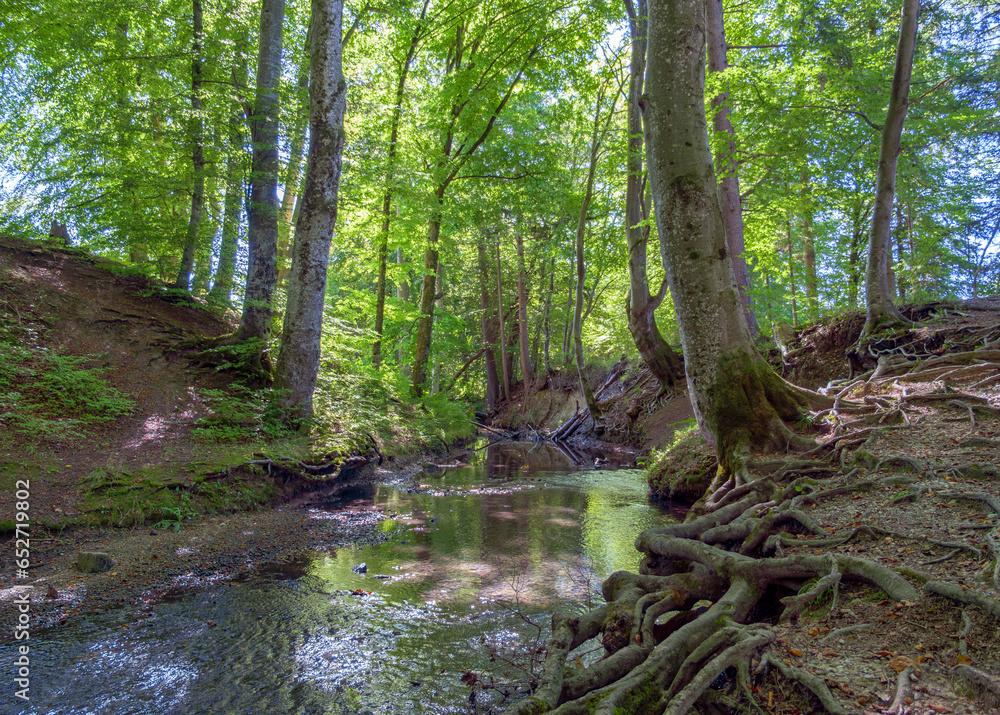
<point x="360" y="568"/>
<point x="94" y="561"/>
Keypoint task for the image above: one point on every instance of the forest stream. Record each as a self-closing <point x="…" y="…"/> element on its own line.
<point x="477" y="559"/>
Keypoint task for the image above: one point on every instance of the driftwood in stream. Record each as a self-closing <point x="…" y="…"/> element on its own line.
<point x="570" y="426"/>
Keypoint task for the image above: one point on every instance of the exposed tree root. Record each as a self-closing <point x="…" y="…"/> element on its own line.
<point x="711" y="591"/>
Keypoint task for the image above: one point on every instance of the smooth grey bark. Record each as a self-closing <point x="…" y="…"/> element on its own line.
<point x="489" y="327"/>
<point x="262" y="232"/>
<point x="225" y="271"/>
<point x="809" y="251"/>
<point x="292" y="180"/>
<point x="390" y="173"/>
<point x="197" y="154"/>
<point x="403" y="295"/>
<point x="728" y="170"/>
<point x="880" y="310"/>
<point x="298" y="359"/>
<point x="504" y="353"/>
<point x="640" y="307"/>
<point x="546" y="315"/>
<point x="738" y="400"/>
<point x="522" y="312"/>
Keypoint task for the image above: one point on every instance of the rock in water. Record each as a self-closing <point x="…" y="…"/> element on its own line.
<point x="94" y="561"/>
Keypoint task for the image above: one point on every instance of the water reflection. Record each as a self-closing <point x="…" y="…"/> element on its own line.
<point x="476" y="560"/>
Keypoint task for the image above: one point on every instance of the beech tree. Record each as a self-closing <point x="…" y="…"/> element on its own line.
<point x="262" y="234"/>
<point x="880" y="309"/>
<point x="738" y="399"/>
<point x="640" y="307"/>
<point x="298" y="359"/>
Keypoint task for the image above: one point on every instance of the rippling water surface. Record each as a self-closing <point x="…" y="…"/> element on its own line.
<point x="476" y="563"/>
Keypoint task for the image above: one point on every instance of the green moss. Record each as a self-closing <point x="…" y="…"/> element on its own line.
<point x="683" y="471"/>
<point x="748" y="398"/>
<point x="168" y="495"/>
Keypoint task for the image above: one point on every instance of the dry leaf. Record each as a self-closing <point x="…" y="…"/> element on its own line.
<point x="829" y="653"/>
<point x="796" y="653"/>
<point x="940" y="708"/>
<point x="900" y="663"/>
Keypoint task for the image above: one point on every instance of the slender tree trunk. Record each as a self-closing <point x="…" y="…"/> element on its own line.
<point x="489" y="327"/>
<point x="403" y="295"/>
<point x="878" y="299"/>
<point x="548" y="309"/>
<point x="640" y="307"/>
<point x="737" y="398"/>
<point x="206" y="236"/>
<point x="522" y="311"/>
<point x="298" y="359"/>
<point x="383" y="237"/>
<point x="262" y="234"/>
<point x="728" y="171"/>
<point x="292" y="182"/>
<point x="567" y="353"/>
<point x="596" y="139"/>
<point x="504" y="353"/>
<point x="901" y="256"/>
<point x="809" y="251"/>
<point x="436" y="371"/>
<point x="225" y="271"/>
<point x="426" y="323"/>
<point x="197" y="155"/>
<point x="791" y="274"/>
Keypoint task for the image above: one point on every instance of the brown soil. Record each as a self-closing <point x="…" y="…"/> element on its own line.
<point x="80" y="306"/>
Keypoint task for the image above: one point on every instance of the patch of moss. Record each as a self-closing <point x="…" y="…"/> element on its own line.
<point x="684" y="471"/>
<point x="157" y="495"/>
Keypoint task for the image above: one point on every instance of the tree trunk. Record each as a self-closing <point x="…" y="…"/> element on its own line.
<point x="425" y="325"/>
<point x="567" y="353"/>
<point x="738" y="400"/>
<point x="225" y="271"/>
<point x="206" y="235"/>
<point x="728" y="171"/>
<point x="262" y="233"/>
<point x="504" y="353"/>
<point x="197" y="156"/>
<point x="596" y="139"/>
<point x="640" y="308"/>
<point x="878" y="299"/>
<point x="436" y="371"/>
<point x="390" y="173"/>
<point x="545" y="318"/>
<point x="809" y="251"/>
<point x="403" y="295"/>
<point x="298" y="359"/>
<point x="489" y="326"/>
<point x="293" y="179"/>
<point x="522" y="312"/>
<point x="791" y="274"/>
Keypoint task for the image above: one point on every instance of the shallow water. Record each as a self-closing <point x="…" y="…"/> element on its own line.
<point x="476" y="562"/>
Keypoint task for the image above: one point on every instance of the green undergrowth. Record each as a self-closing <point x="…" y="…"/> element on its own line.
<point x="45" y="395"/>
<point x="683" y="470"/>
<point x="356" y="410"/>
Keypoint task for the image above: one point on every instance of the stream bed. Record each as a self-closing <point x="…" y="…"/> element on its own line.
<point x="443" y="616"/>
